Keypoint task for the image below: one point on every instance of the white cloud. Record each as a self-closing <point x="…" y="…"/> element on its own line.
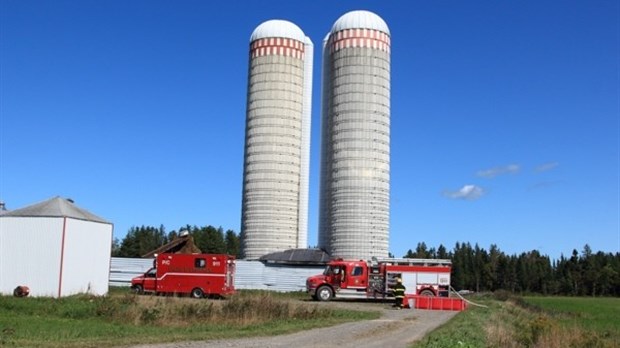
<point x="467" y="192"/>
<point x="493" y="172"/>
<point x="547" y="166"/>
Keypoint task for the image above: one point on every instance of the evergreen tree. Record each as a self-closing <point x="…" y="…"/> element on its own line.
<point x="232" y="243"/>
<point x="492" y="268"/>
<point x="141" y="240"/>
<point x="458" y="268"/>
<point x="116" y="247"/>
<point x="421" y="251"/>
<point x="210" y="239"/>
<point x="442" y="253"/>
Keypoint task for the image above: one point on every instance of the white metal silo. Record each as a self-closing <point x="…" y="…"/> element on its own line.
<point x="56" y="249"/>
<point x="355" y="151"/>
<point x="277" y="140"/>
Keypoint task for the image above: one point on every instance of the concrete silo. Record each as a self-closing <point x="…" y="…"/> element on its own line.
<point x="277" y="140"/>
<point x="355" y="151"/>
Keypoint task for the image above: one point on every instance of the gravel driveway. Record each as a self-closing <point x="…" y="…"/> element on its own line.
<point x="394" y="329"/>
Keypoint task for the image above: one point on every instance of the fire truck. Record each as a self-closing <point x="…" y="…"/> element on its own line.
<point x="197" y="275"/>
<point x="374" y="279"/>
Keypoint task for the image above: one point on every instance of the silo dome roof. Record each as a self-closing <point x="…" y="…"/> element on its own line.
<point x="278" y="28"/>
<point x="360" y="19"/>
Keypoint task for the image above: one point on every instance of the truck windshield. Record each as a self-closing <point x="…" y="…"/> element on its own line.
<point x="151" y="273"/>
<point x="331" y="270"/>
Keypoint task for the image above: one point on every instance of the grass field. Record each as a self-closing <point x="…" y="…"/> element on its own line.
<point x="600" y="315"/>
<point x="549" y="322"/>
<point x="123" y="319"/>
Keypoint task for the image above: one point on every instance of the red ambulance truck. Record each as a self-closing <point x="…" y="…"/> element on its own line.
<point x="197" y="275"/>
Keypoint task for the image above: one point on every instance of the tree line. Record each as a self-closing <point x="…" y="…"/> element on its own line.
<point x="144" y="239"/>
<point x="584" y="273"/>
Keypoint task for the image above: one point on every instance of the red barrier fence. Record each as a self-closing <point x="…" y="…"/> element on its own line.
<point x="435" y="303"/>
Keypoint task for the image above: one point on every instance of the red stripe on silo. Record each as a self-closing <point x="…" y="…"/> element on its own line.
<point x="277" y="46"/>
<point x="368" y="38"/>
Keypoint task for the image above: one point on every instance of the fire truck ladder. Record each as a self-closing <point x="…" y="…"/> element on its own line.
<point x="413" y="262"/>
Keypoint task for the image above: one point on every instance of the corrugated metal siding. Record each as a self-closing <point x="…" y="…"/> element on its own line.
<point x="86" y="264"/>
<point x="250" y="275"/>
<point x="30" y="254"/>
<point x="288" y="278"/>
<point x="122" y="269"/>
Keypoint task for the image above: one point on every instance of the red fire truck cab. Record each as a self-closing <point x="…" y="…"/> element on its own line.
<point x="374" y="279"/>
<point x="197" y="275"/>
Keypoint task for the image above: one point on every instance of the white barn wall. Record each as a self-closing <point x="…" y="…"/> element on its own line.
<point x="86" y="260"/>
<point x="30" y="254"/>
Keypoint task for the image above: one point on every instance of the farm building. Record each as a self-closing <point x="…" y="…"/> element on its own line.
<point x="55" y="249"/>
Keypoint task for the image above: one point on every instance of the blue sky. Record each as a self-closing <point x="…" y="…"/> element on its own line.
<point x="505" y="114"/>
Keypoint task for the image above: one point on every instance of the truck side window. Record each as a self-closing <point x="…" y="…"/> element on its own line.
<point x="200" y="263"/>
<point x="357" y="271"/>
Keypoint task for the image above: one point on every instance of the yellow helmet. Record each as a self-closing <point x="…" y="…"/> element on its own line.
<point x="398" y="280"/>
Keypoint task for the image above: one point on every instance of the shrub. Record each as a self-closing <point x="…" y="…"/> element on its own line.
<point x="149" y="315"/>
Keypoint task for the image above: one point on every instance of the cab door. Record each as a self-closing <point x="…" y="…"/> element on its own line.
<point x="357" y="276"/>
<point x="150" y="280"/>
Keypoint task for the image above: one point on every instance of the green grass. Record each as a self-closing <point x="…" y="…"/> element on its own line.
<point x="601" y="315"/>
<point x="510" y="321"/>
<point x="124" y="319"/>
<point x="464" y="330"/>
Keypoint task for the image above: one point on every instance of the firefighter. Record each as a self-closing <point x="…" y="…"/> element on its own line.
<point x="399" y="294"/>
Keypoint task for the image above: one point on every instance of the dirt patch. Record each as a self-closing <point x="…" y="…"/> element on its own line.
<point x="394" y="329"/>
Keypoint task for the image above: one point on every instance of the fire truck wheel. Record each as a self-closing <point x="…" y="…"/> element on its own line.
<point x="427" y="292"/>
<point x="198" y="293"/>
<point x="137" y="289"/>
<point x="324" y="293"/>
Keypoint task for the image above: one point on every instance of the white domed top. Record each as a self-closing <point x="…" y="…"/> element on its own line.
<point x="360" y="19"/>
<point x="278" y="28"/>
